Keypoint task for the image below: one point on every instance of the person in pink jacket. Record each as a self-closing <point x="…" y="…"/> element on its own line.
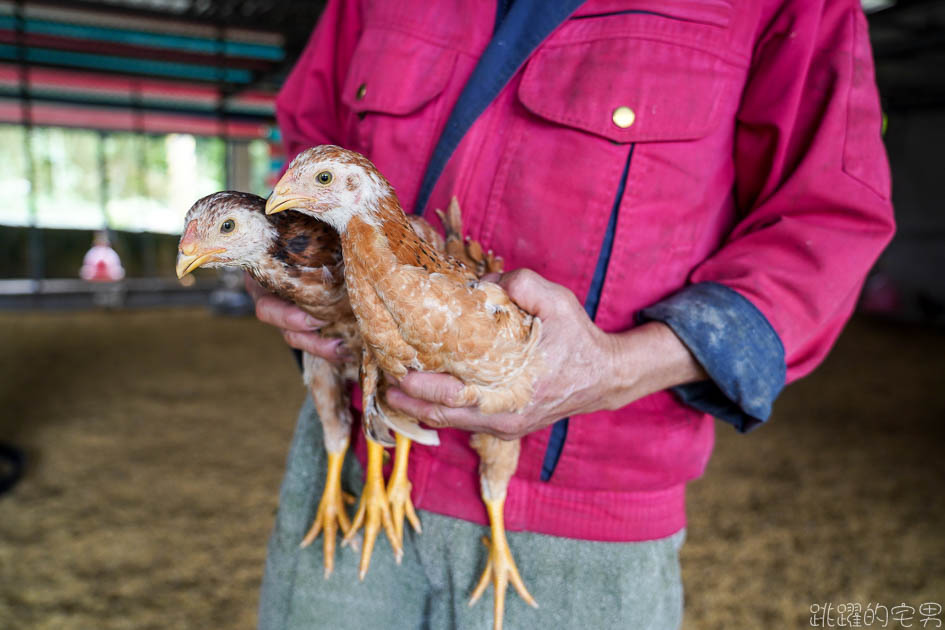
<point x="691" y="194"/>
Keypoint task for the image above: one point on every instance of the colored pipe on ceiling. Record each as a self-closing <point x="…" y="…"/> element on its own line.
<point x="104" y="89"/>
<point x="209" y="46"/>
<point x="32" y="40"/>
<point x="110" y="119"/>
<point x="127" y="65"/>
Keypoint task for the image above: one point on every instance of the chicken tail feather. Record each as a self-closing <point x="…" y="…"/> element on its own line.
<point x="407" y="426"/>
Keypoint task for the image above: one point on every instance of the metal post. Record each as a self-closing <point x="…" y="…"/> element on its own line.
<point x="222" y="93"/>
<point x="148" y="242"/>
<point x="103" y="185"/>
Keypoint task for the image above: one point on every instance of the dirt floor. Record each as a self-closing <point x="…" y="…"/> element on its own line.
<point x="157" y="440"/>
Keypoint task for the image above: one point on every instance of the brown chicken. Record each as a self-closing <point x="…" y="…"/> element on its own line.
<point x="419" y="309"/>
<point x="299" y="259"/>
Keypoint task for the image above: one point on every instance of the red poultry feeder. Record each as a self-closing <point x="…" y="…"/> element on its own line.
<point x="101" y="263"/>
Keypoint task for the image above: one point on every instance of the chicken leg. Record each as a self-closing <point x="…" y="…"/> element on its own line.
<point x="399" y="486"/>
<point x="325" y="382"/>
<point x="374" y="510"/>
<point x="398" y="490"/>
<point x="498" y="460"/>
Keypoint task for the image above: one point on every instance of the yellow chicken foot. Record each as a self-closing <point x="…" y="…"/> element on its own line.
<point x="398" y="491"/>
<point x="331" y="511"/>
<point x="500" y="566"/>
<point x="374" y="510"/>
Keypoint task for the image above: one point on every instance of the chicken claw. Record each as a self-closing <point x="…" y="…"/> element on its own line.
<point x="500" y="566"/>
<point x="374" y="510"/>
<point x="398" y="490"/>
<point x="331" y="512"/>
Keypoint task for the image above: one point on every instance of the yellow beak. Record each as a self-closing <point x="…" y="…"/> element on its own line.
<point x="277" y="203"/>
<point x="187" y="263"/>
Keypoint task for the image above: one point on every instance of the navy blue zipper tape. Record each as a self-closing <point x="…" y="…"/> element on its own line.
<point x="559" y="432"/>
<point x="526" y="24"/>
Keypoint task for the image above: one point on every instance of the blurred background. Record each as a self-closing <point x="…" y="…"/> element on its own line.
<point x="141" y="447"/>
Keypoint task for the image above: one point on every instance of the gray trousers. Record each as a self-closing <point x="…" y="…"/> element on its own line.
<point x="577" y="583"/>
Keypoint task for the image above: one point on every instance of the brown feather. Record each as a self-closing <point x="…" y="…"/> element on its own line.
<point x="467" y="251"/>
<point x="409" y="248"/>
<point x="303" y="241"/>
<point x="421" y="309"/>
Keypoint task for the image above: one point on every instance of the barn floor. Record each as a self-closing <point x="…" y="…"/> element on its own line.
<point x="157" y="439"/>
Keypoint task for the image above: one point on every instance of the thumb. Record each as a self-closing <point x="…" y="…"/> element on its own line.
<point x="530" y="291"/>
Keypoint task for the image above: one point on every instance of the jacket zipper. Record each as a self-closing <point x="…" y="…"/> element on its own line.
<point x="559" y="432"/>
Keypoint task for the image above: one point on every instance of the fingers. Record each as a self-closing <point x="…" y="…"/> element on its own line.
<point x="325" y="347"/>
<point x="437" y="388"/>
<point x="254" y="289"/>
<point x="504" y="426"/>
<point x="282" y="314"/>
<point x="429" y="413"/>
<point x="277" y="312"/>
<point x="537" y="295"/>
<point x="297" y="327"/>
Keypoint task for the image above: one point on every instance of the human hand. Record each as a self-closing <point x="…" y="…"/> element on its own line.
<point x="298" y="328"/>
<point x="586" y="369"/>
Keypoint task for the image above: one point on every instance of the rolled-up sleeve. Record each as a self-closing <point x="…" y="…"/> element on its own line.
<point x="813" y="193"/>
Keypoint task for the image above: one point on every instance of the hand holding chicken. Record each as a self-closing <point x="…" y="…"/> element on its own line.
<point x="588" y="369"/>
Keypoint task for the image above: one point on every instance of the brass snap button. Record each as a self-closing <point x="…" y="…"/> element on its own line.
<point x="623" y="117"/>
<point x="362" y="90"/>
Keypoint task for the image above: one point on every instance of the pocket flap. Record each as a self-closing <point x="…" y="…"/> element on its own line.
<point x="714" y="12"/>
<point x="672" y="92"/>
<point x="394" y="73"/>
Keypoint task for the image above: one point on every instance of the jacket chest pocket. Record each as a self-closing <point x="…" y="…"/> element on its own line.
<point x="595" y="89"/>
<point x="392" y="91"/>
<point x="627" y="90"/>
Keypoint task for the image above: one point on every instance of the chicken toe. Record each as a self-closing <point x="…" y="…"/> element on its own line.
<point x="331" y="513"/>
<point x="374" y="510"/>
<point x="398" y="491"/>
<point x="500" y="566"/>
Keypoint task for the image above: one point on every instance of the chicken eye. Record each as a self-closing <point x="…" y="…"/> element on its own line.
<point x="227" y="226"/>
<point x="324" y="178"/>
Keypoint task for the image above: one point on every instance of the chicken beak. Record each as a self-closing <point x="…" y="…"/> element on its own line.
<point x="188" y="262"/>
<point x="277" y="203"/>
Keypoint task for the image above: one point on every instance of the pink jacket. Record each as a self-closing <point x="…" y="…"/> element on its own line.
<point x="756" y="164"/>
